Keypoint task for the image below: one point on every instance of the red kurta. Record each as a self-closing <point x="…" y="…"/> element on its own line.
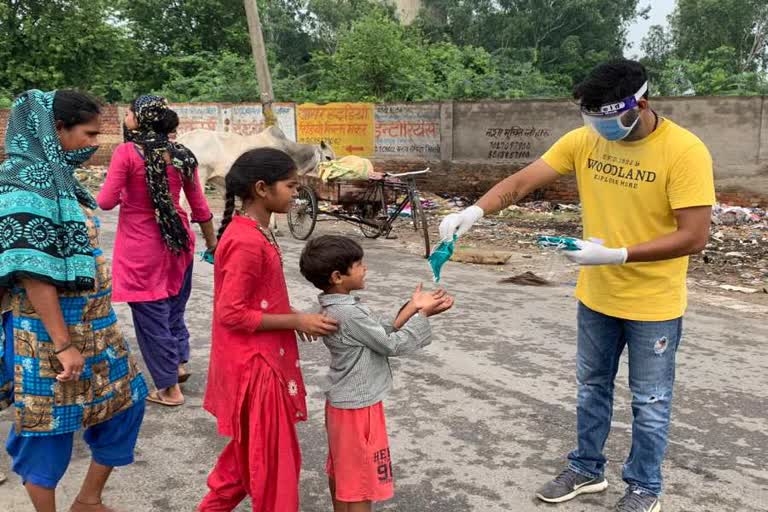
<point x="248" y="282"/>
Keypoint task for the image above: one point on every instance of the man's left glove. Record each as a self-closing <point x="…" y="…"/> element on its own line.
<point x="592" y="252"/>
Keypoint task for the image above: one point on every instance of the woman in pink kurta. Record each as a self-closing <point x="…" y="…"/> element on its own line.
<point x="154" y="247"/>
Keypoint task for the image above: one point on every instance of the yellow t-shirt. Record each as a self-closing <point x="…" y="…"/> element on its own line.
<point x="628" y="193"/>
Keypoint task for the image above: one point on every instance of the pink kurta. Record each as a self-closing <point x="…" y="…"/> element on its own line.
<point x="143" y="268"/>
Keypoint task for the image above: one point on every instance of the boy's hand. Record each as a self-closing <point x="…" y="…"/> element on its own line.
<point x="421" y="299"/>
<point x="444" y="305"/>
<point x="431" y="303"/>
<point x="315" y="325"/>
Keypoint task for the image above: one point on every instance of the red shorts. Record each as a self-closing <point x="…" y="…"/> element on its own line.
<point x="358" y="453"/>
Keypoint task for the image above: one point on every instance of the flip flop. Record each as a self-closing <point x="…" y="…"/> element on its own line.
<point x="3" y="478"/>
<point x="155" y="397"/>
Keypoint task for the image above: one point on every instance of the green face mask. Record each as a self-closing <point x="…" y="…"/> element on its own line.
<point x="440" y="256"/>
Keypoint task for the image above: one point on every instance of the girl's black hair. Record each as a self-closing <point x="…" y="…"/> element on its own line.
<point x="167" y="124"/>
<point x="261" y="164"/>
<point x="72" y="108"/>
<point x="611" y="81"/>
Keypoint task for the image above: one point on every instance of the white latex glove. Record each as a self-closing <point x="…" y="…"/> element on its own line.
<point x="591" y="252"/>
<point x="459" y="223"/>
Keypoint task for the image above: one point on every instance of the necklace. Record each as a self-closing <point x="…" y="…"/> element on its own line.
<point x="267" y="233"/>
<point x="655" y="120"/>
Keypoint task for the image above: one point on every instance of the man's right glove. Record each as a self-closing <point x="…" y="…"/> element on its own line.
<point x="459" y="223"/>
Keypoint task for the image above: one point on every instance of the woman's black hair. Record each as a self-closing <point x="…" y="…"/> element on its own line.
<point x="261" y="164"/>
<point x="166" y="124"/>
<point x="74" y="107"/>
<point x="610" y="82"/>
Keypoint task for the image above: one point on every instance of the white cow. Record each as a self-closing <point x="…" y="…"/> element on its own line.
<point x="217" y="151"/>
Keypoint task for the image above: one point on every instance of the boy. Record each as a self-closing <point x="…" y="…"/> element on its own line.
<point x="359" y="466"/>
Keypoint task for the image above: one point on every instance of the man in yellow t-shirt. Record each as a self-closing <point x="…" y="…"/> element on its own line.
<point x="646" y="187"/>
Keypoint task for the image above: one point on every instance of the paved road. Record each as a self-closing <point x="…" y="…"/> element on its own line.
<point x="485" y="414"/>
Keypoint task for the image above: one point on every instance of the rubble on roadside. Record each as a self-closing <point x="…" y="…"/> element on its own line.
<point x="738" y="215"/>
<point x="736" y="258"/>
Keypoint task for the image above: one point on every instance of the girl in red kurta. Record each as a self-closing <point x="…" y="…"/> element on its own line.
<point x="255" y="388"/>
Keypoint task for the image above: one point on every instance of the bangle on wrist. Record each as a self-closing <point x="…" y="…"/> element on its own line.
<point x="63" y="349"/>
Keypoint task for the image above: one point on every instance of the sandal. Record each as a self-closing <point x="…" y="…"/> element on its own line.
<point x="156" y="398"/>
<point x="3" y="478"/>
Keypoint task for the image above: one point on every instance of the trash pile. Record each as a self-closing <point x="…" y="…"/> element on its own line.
<point x="92" y="177"/>
<point x="736" y="257"/>
<point x="724" y="215"/>
<point x="735" y="260"/>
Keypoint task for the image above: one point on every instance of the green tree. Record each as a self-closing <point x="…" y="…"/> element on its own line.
<point x="376" y="60"/>
<point x="717" y="74"/>
<point x="712" y="48"/>
<point x="556" y="36"/>
<point x="62" y="43"/>
<point x="702" y="26"/>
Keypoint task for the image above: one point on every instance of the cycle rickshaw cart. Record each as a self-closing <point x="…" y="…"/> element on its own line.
<point x="373" y="204"/>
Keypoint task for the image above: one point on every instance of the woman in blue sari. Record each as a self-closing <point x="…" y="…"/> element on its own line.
<point x="65" y="366"/>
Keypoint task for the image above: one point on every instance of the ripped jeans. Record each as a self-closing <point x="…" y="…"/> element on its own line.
<point x="652" y="350"/>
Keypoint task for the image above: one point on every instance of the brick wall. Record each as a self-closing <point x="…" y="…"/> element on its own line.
<point x="473" y="179"/>
<point x="742" y="198"/>
<point x="111" y="135"/>
<point x="469" y="179"/>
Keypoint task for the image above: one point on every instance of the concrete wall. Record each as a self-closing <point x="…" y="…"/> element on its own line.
<point x="407" y="130"/>
<point x="493" y="139"/>
<point x="471" y="145"/>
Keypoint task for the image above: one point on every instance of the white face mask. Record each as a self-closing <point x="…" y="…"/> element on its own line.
<point x="614" y="121"/>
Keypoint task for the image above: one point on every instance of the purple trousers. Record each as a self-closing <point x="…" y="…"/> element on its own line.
<point x="162" y="334"/>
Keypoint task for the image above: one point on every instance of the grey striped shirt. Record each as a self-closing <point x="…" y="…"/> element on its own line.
<point x="360" y="350"/>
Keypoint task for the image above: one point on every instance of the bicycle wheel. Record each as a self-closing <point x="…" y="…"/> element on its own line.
<point x="371" y="209"/>
<point x="370" y="213"/>
<point x="302" y="216"/>
<point x="420" y="220"/>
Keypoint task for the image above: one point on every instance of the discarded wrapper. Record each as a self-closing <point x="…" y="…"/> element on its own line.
<point x="440" y="256"/>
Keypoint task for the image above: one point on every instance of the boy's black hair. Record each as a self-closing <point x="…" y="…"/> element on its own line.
<point x="324" y="255"/>
<point x="610" y="82"/>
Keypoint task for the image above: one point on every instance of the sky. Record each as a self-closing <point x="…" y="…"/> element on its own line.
<point x="660" y="9"/>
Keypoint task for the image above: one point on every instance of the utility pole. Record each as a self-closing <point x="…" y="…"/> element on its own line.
<point x="260" y="60"/>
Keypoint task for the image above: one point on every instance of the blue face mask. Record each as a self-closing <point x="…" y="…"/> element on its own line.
<point x="440" y="256"/>
<point x="610" y="128"/>
<point x="609" y="120"/>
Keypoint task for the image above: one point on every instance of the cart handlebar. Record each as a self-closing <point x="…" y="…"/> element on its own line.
<point x="401" y="174"/>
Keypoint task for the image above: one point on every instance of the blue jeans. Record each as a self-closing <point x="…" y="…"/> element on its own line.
<point x="652" y="350"/>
